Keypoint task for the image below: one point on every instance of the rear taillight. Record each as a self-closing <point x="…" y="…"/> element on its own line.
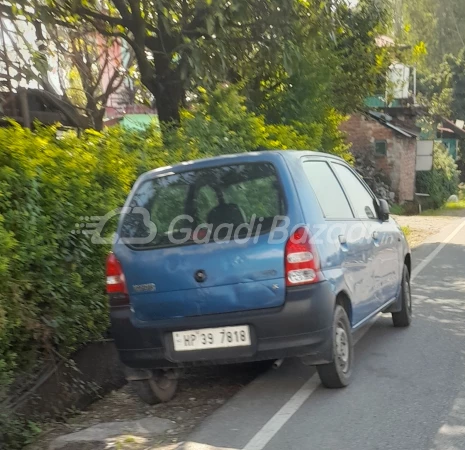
<point x="302" y="262"/>
<point x="116" y="283"/>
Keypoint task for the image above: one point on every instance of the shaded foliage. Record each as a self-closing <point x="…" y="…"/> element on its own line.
<point x="438" y="24"/>
<point x="442" y="181"/>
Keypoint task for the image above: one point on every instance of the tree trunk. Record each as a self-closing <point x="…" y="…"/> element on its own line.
<point x="168" y="90"/>
<point x="93" y="112"/>
<point x="168" y="97"/>
<point x="24" y="106"/>
<point x="97" y="119"/>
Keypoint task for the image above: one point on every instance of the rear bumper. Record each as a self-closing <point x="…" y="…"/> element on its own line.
<point x="301" y="327"/>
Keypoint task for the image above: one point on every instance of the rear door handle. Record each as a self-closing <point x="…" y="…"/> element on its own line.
<point x="375" y="235"/>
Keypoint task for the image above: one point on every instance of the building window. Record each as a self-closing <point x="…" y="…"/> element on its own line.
<point x="381" y="148"/>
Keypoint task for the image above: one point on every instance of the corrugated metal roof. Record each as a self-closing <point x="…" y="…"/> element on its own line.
<point x="400" y="130"/>
<point x="385" y="119"/>
<point x="453" y="127"/>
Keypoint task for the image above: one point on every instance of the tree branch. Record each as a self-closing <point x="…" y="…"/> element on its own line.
<point x="123" y="10"/>
<point x="197" y="22"/>
<point x="111" y="86"/>
<point x="111" y="20"/>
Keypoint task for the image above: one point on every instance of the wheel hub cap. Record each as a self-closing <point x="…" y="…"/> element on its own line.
<point x="342" y="348"/>
<point x="409" y="298"/>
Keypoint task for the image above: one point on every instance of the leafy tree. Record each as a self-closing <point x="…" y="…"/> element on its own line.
<point x="457" y="84"/>
<point x="175" y="42"/>
<point x="333" y="71"/>
<point x="444" y="90"/>
<point x="180" y="45"/>
<point x="92" y="69"/>
<point x="439" y="24"/>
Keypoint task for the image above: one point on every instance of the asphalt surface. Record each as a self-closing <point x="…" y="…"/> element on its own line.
<point x="408" y="389"/>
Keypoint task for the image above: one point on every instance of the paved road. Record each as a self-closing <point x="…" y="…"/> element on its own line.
<point x="408" y="391"/>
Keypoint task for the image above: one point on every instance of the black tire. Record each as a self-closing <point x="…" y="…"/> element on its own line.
<point x="338" y="373"/>
<point x="158" y="389"/>
<point x="403" y="318"/>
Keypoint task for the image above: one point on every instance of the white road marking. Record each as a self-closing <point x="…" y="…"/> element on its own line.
<point x="436" y="251"/>
<point x="271" y="428"/>
<point x="194" y="446"/>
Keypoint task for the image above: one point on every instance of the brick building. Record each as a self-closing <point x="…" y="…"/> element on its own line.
<point x="391" y="141"/>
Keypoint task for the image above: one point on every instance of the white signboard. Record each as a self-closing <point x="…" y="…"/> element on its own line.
<point x="424" y="156"/>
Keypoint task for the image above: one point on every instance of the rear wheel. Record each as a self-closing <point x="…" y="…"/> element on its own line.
<point x="337" y="374"/>
<point x="160" y="388"/>
<point x="403" y="318"/>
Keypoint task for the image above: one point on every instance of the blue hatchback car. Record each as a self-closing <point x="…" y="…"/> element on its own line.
<point x="257" y="256"/>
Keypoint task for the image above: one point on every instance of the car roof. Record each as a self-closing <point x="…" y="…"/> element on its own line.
<point x="236" y="158"/>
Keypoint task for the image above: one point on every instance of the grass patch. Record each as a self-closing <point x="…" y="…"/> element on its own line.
<point x="433" y="212"/>
<point x="397" y="210"/>
<point x="447" y="208"/>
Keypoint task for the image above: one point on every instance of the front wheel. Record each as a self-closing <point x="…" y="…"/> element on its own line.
<point x="338" y="373"/>
<point x="403" y="318"/>
<point x="160" y="388"/>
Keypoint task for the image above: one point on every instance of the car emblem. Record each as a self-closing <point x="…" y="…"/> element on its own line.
<point x="144" y="287"/>
<point x="200" y="276"/>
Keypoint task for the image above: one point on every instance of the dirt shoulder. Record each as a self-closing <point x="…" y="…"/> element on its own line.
<point x="424" y="226"/>
<point x="201" y="392"/>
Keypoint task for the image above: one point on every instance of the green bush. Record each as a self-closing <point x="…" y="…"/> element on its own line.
<point x="397" y="210"/>
<point x="52" y="295"/>
<point x="221" y="124"/>
<point x="442" y="181"/>
<point x="16" y="432"/>
<point x="51" y="292"/>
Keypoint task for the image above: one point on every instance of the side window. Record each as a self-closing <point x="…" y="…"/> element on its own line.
<point x="360" y="198"/>
<point x="330" y="195"/>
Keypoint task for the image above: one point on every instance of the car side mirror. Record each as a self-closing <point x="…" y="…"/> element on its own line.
<point x="384" y="210"/>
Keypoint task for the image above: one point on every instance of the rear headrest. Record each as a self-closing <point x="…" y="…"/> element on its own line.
<point x="226" y="213"/>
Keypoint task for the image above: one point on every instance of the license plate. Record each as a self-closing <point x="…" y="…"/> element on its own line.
<point x="208" y="338"/>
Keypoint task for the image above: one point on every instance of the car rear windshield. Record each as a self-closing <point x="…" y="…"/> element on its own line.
<point x="198" y="206"/>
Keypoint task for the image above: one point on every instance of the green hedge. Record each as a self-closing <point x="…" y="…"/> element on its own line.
<point x="51" y="292"/>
